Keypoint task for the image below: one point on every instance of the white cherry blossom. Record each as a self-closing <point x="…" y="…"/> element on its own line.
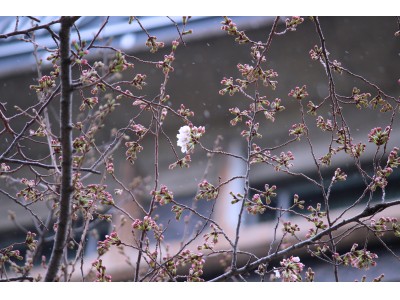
<point x="184" y="138"/>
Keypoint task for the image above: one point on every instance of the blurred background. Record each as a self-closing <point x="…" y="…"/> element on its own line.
<point x="364" y="45"/>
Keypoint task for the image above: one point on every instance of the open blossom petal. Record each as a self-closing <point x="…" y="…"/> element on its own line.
<point x="183" y="138"/>
<point x="296" y="259"/>
<point x="277" y="273"/>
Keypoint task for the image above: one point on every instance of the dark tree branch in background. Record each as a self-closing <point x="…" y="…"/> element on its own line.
<point x="23" y="278"/>
<point x="44" y="166"/>
<point x="63" y="222"/>
<point x="14" y="33"/>
<point x="367" y="212"/>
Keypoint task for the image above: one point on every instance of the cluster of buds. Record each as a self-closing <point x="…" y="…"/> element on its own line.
<point x="393" y="159"/>
<point x="153" y="44"/>
<point x="110" y="165"/>
<point x="252" y="132"/>
<point x="184" y="162"/>
<point x="165" y="98"/>
<point x="288" y="227"/>
<point x="88" y="102"/>
<point x="379" y="227"/>
<point x="360" y="99"/>
<point x="163" y="196"/>
<point x="337" y="67"/>
<point x="30" y="193"/>
<point x="166" y="64"/>
<point x="299" y="93"/>
<point x="106" y="109"/>
<point x="7" y="253"/>
<point x="99" y="193"/>
<point x="143" y="105"/>
<point x="339" y="175"/>
<point x="119" y="63"/>
<point x="213" y="235"/>
<point x="269" y="192"/>
<point x="139" y="130"/>
<point x="54" y="56"/>
<point x="292" y="23"/>
<point x="86" y="196"/>
<point x="210" y="239"/>
<point x="238" y="116"/>
<point x="324" y="125"/>
<point x="4" y="168"/>
<point x="320" y="250"/>
<point x="196" y="262"/>
<point x="236" y="198"/>
<point x="255" y="73"/>
<point x="379" y="137"/>
<point x="360" y="259"/>
<point x="380" y="178"/>
<point x="40" y="132"/>
<point x="316" y="216"/>
<point x="327" y="158"/>
<point x="230" y="87"/>
<point x="133" y="149"/>
<point x="89" y="77"/>
<point x="149" y="224"/>
<point x="185" y="112"/>
<point x="170" y="268"/>
<point x="297" y="202"/>
<point x="83" y="203"/>
<point x="357" y="149"/>
<point x="261" y="104"/>
<point x="178" y="210"/>
<point x="152" y="258"/>
<point x="283" y="160"/>
<point x="80" y="52"/>
<point x="105" y="217"/>
<point x="257" y="155"/>
<point x="139" y="81"/>
<point x="312" y="108"/>
<point x="310" y="275"/>
<point x="101" y="271"/>
<point x="343" y="138"/>
<point x="311" y="232"/>
<point x="46" y="83"/>
<point x="30" y="241"/>
<point x="206" y="246"/>
<point x="316" y="53"/>
<point x="298" y="130"/>
<point x="104" y="246"/>
<point x="163" y="114"/>
<point x="231" y="29"/>
<point x="316" y="212"/>
<point x="269" y="113"/>
<point x="207" y="191"/>
<point x="290" y="269"/>
<point x="378" y="100"/>
<point x="396" y="227"/>
<point x="266" y="77"/>
<point x="256" y="51"/>
<point x="81" y="144"/>
<point x="256" y="205"/>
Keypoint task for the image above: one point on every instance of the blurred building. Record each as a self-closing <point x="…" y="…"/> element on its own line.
<point x="366" y="46"/>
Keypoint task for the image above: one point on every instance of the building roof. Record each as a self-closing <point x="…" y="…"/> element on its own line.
<point x="16" y="57"/>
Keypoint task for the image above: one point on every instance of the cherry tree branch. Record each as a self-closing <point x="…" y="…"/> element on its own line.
<point x="367" y="212"/>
